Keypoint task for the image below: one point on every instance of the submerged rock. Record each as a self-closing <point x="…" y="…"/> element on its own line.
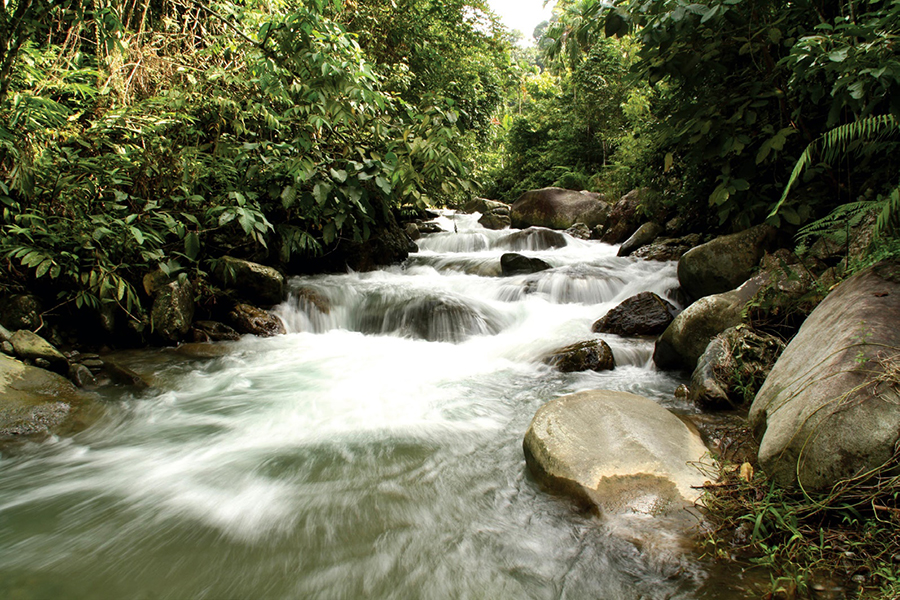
<point x="213" y="331"/>
<point x="592" y="355"/>
<point x="557" y="208"/>
<point x="616" y="451"/>
<point x="725" y="262"/>
<point x="516" y="264"/>
<point x="256" y="321"/>
<point x="579" y="231"/>
<point x="34" y="401"/>
<point x="432" y="318"/>
<point x="643" y="314"/>
<point x="829" y="410"/>
<point x="533" y="238"/>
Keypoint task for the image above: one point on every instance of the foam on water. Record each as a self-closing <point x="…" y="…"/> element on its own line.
<point x="374" y="451"/>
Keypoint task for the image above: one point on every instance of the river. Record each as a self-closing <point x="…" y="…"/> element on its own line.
<point x="373" y="452"/>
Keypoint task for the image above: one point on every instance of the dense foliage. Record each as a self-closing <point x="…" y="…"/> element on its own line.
<point x="142" y="135"/>
<point x="739" y="90"/>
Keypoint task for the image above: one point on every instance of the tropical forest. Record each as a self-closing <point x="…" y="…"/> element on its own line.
<point x="382" y="299"/>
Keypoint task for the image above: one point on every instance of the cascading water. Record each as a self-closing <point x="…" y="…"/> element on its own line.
<point x="373" y="452"/>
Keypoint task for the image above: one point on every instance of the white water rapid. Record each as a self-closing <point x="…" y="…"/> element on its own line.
<point x="373" y="452"/>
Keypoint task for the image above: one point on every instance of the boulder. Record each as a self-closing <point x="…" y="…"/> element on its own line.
<point x="669" y="248"/>
<point x="789" y="293"/>
<point x="616" y="451"/>
<point x="592" y="355"/>
<point x="533" y="239"/>
<point x="21" y="311"/>
<point x="623" y="218"/>
<point x="213" y="331"/>
<point x="494" y="220"/>
<point x="256" y="321"/>
<point x="30" y="346"/>
<point x="644" y="314"/>
<point x="485" y="206"/>
<point x="725" y="262"/>
<point x="733" y="368"/>
<point x="253" y="281"/>
<point x="830" y="408"/>
<point x="688" y="335"/>
<point x="579" y="231"/>
<point x="412" y="230"/>
<point x="645" y="234"/>
<point x="34" y="401"/>
<point x="516" y="264"/>
<point x="557" y="208"/>
<point x="173" y="310"/>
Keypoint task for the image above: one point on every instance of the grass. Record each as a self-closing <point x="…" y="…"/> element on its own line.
<point x="842" y="545"/>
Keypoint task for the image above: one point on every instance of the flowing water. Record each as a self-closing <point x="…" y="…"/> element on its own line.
<point x="373" y="452"/>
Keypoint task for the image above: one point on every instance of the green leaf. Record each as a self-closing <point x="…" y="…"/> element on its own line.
<point x="838" y="55"/>
<point x="137" y="234"/>
<point x="288" y="196"/>
<point x="340" y="175"/>
<point x="192" y="245"/>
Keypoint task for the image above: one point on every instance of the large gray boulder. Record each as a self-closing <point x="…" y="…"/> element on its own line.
<point x="624" y="218"/>
<point x="686" y="338"/>
<point x="533" y="239"/>
<point x="557" y="208"/>
<point x="830" y="408"/>
<point x="616" y="451"/>
<point x="34" y="401"/>
<point x="253" y="281"/>
<point x="643" y="314"/>
<point x="725" y="262"/>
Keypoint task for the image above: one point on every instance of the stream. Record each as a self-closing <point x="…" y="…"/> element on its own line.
<point x="373" y="452"/>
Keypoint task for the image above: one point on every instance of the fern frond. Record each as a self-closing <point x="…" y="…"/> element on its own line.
<point x="836" y="142"/>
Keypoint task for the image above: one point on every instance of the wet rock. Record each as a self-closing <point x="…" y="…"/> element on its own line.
<point x="557" y="208"/>
<point x="430" y="318"/>
<point x="495" y="221"/>
<point x="21" y="311"/>
<point x="116" y="374"/>
<point x="533" y="239"/>
<point x="579" y="231"/>
<point x="7" y="348"/>
<point x="412" y="230"/>
<point x="789" y="293"/>
<point x="623" y="218"/>
<point x="34" y="401"/>
<point x="616" y="451"/>
<point x="829" y="409"/>
<point x="173" y="310"/>
<point x="256" y="321"/>
<point x="82" y="376"/>
<point x="686" y="338"/>
<point x="516" y="264"/>
<point x="213" y="331"/>
<point x="668" y="249"/>
<point x="429" y="227"/>
<point x="592" y="355"/>
<point x="30" y="346"/>
<point x="643" y="314"/>
<point x="154" y="281"/>
<point x="725" y="262"/>
<point x="645" y="234"/>
<point x="484" y="206"/>
<point x="733" y="368"/>
<point x="253" y="281"/>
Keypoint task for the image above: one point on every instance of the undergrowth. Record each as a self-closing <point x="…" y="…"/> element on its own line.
<point x="842" y="543"/>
